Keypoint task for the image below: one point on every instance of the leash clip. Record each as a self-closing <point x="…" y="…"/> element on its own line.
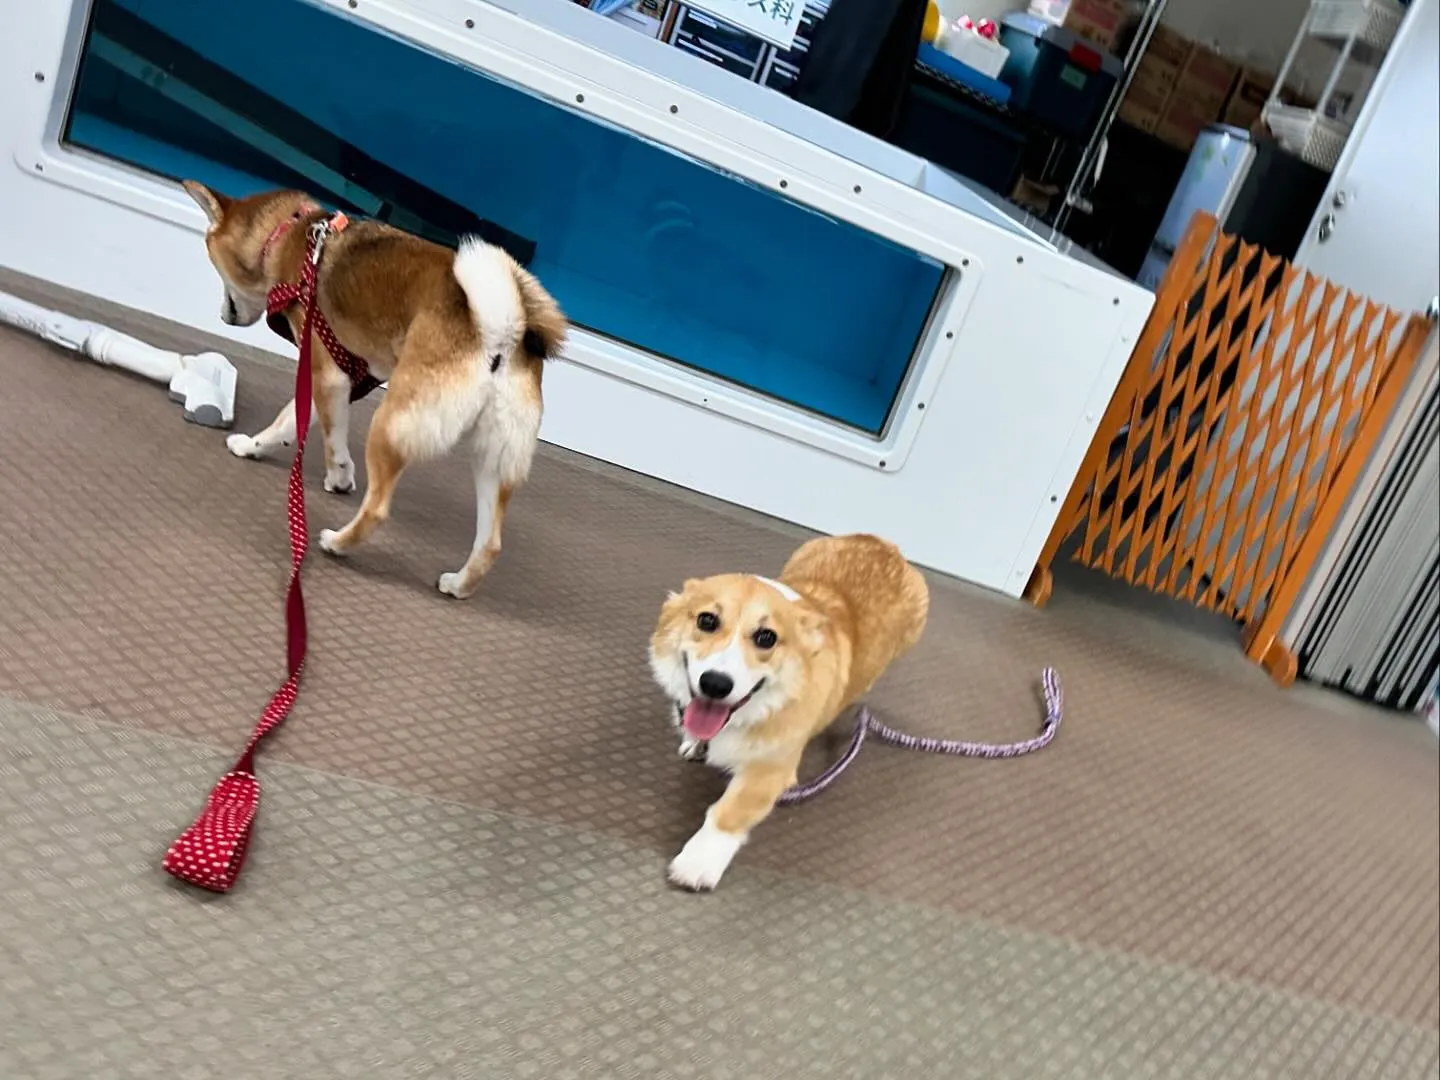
<point x="318" y="231"/>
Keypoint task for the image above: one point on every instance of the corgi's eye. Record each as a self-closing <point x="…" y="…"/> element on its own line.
<point x="764" y="638"/>
<point x="707" y="622"/>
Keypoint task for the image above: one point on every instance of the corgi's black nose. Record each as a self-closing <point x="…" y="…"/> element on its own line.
<point x="715" y="685"/>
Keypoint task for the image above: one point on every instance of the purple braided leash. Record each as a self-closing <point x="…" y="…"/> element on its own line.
<point x="866" y="723"/>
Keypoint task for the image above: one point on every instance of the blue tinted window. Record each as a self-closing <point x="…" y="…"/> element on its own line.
<point x="636" y="242"/>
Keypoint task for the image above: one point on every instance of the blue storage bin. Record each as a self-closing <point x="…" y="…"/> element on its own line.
<point x="947" y="66"/>
<point x="1058" y="77"/>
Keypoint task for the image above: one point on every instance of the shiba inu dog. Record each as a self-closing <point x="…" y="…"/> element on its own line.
<point x="461" y="338"/>
<point x="756" y="668"/>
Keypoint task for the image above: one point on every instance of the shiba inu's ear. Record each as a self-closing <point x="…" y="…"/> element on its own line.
<point x="212" y="202"/>
<point x="545" y="326"/>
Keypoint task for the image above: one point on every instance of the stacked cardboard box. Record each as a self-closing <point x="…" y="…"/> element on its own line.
<point x="1142" y="108"/>
<point x="1198" y="99"/>
<point x="1098" y="21"/>
<point x="1155" y="79"/>
<point x="1247" y="99"/>
<point x="1180" y="87"/>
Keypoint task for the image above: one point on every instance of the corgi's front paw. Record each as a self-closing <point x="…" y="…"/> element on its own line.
<point x="242" y="446"/>
<point x="692" y="749"/>
<point x="703" y="860"/>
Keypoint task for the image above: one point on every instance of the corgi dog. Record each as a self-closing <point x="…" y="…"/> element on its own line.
<point x="756" y="668"/>
<point x="461" y="337"/>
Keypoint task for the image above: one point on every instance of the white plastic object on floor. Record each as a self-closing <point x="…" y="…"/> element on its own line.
<point x="204" y="383"/>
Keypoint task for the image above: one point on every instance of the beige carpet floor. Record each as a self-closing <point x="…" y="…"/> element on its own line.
<point x="459" y="869"/>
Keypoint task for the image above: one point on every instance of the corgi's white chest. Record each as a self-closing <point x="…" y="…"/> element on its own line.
<point x="734" y="748"/>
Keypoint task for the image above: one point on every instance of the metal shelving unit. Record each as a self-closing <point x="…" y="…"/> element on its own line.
<point x="1093" y="158"/>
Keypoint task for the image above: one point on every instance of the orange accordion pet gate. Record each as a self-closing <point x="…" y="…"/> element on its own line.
<point x="1246" y="412"/>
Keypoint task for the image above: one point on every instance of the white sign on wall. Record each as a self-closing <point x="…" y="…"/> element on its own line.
<point x="774" y="20"/>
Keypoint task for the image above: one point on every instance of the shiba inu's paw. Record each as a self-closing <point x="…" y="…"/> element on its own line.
<point x="243" y="446"/>
<point x="704" y="858"/>
<point x="692" y="749"/>
<point x="454" y="585"/>
<point x="340" y="479"/>
<point x="327" y="542"/>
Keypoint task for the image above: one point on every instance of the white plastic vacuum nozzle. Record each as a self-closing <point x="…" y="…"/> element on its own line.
<point x="204" y="384"/>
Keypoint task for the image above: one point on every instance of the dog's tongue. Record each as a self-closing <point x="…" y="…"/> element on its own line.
<point x="704" y="719"/>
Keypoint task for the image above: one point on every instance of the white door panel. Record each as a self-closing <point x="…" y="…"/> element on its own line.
<point x="1377" y="230"/>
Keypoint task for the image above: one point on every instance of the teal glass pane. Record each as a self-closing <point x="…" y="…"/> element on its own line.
<point x="637" y="242"/>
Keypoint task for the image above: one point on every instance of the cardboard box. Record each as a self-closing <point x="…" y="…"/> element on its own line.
<point x="1139" y="115"/>
<point x="1158" y="73"/>
<point x="1142" y="109"/>
<point x="1181" y="123"/>
<point x="1168" y="47"/>
<point x="1190" y="109"/>
<point x="1155" y="77"/>
<point x="1033" y="196"/>
<point x="1097" y="21"/>
<point x="1247" y="99"/>
<point x="1206" y="79"/>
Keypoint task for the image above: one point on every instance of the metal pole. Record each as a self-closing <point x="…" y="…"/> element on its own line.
<point x="1089" y="160"/>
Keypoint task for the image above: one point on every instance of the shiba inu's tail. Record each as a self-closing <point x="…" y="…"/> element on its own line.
<point x="506" y="301"/>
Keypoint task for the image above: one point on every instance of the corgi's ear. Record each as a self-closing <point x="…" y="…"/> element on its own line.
<point x="812" y="629"/>
<point x="212" y="202"/>
<point x="545" y="326"/>
<point x="671" y="616"/>
<point x="677" y="601"/>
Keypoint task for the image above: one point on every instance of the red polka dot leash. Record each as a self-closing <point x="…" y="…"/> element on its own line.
<point x="211" y="852"/>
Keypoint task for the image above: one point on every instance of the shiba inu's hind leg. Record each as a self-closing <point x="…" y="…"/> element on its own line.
<point x="384" y="462"/>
